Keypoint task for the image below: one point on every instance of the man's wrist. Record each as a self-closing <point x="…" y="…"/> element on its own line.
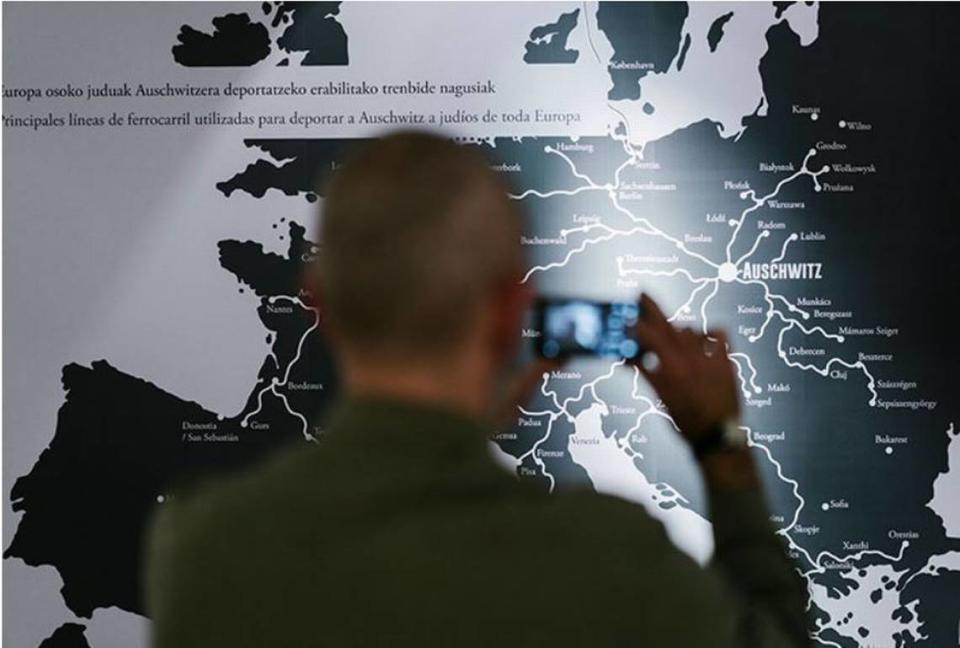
<point x="726" y="435"/>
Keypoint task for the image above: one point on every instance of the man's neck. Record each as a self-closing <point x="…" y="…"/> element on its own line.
<point x="457" y="385"/>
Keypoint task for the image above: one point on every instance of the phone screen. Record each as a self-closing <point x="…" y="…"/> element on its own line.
<point x="583" y="327"/>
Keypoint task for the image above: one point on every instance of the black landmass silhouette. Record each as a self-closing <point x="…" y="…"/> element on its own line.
<point x="781" y="7"/>
<point x="548" y="43"/>
<point x="239" y="41"/>
<point x="315" y="30"/>
<point x="121" y="447"/>
<point x="69" y="635"/>
<point x="640" y="32"/>
<point x="306" y="165"/>
<point x="715" y="33"/>
<point x="300" y="166"/>
<point x="236" y="41"/>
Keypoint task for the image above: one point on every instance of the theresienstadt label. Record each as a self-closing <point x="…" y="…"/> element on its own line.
<point x="650" y="258"/>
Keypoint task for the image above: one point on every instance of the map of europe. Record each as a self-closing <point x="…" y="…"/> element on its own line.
<point x="783" y="206"/>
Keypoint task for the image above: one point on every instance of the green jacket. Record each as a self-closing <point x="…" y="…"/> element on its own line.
<point x="397" y="529"/>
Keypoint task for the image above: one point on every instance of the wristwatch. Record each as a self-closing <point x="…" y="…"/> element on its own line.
<point x="727" y="435"/>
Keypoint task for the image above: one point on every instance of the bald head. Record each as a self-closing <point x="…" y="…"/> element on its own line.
<point x="417" y="232"/>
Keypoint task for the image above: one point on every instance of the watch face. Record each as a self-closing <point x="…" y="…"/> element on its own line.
<point x="733" y="434"/>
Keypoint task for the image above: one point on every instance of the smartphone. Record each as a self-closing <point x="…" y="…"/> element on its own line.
<point x="570" y="327"/>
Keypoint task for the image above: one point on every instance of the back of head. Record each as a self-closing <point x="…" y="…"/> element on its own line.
<point x="416" y="231"/>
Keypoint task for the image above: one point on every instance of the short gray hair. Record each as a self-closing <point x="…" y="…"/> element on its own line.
<point x="415" y="230"/>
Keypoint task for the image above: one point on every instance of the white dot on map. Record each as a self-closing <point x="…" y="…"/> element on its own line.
<point x="727" y="272"/>
<point x="816" y="188"/>
<point x="243" y="423"/>
<point x="546" y="149"/>
<point x="219" y="417"/>
<point x="842" y="124"/>
<point x="888" y="450"/>
<point x="825" y="168"/>
<point x="825" y="506"/>
<point x="160" y="499"/>
<point x="271" y="299"/>
<point x="732" y="222"/>
<point x="812" y="151"/>
<point x="839" y="338"/>
<point x="814" y="116"/>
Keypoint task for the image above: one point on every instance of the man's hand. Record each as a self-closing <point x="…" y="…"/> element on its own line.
<point x="693" y="374"/>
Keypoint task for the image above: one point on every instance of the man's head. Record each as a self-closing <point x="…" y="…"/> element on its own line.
<point x="421" y="257"/>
